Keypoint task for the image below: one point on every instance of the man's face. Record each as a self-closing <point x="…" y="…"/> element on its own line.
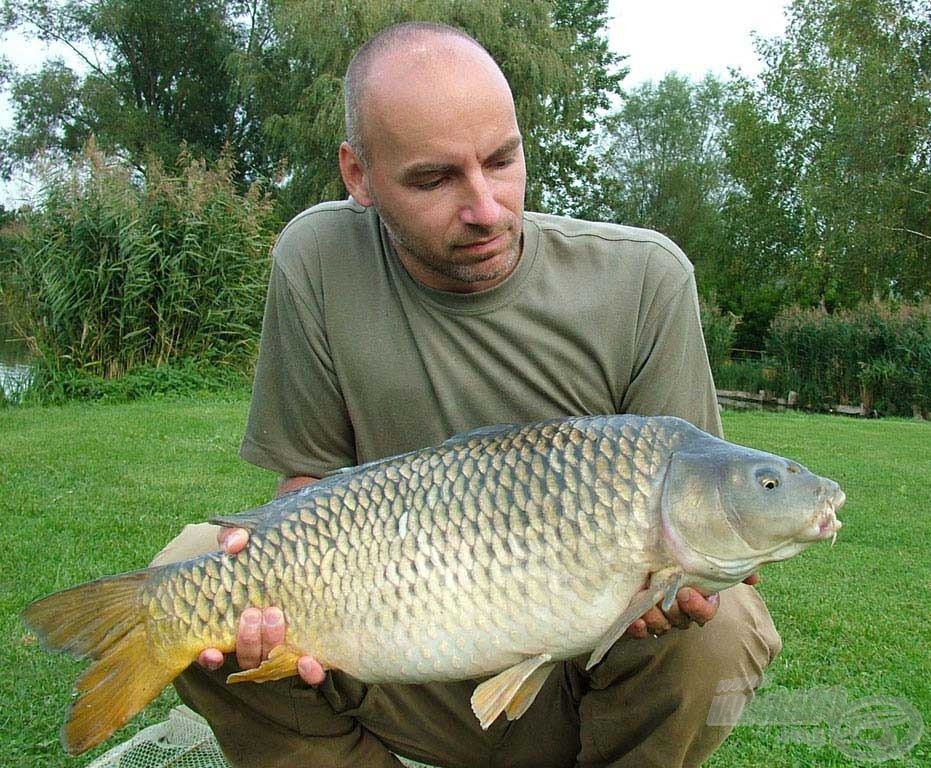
<point x="445" y="168"/>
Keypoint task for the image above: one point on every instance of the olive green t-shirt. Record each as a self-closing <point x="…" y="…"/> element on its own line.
<point x="359" y="361"/>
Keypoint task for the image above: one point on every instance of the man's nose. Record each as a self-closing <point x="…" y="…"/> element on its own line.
<point x="480" y="207"/>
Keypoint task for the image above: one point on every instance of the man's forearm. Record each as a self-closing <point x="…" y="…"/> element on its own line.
<point x="288" y="484"/>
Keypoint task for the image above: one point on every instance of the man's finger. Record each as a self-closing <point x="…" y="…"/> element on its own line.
<point x="210" y="658"/>
<point x="249" y="639"/>
<point x="696" y="606"/>
<point x="656" y="622"/>
<point x="233" y="540"/>
<point x="677" y="617"/>
<point x="310" y="670"/>
<point x="273" y="630"/>
<point x="637" y="630"/>
<point x="752" y="579"/>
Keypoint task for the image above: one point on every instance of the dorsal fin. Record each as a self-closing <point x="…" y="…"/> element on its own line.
<point x="250" y="519"/>
<point x="479" y="432"/>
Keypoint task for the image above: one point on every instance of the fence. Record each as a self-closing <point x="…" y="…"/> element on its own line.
<point x="766" y="401"/>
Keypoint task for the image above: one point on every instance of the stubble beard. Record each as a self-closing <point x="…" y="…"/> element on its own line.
<point x="464" y="272"/>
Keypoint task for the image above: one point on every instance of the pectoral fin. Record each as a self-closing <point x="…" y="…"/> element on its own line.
<point x="663" y="585"/>
<point x="281" y="663"/>
<point x="511" y="691"/>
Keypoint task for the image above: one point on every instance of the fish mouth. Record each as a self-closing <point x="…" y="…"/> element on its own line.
<point x="826" y="524"/>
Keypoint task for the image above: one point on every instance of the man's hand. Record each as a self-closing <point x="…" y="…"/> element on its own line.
<point x="259" y="631"/>
<point x="690" y="605"/>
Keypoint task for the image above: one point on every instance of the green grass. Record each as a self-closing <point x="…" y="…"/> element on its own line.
<point x="89" y="490"/>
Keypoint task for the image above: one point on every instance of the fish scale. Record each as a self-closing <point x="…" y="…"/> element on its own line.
<point x="500" y="551"/>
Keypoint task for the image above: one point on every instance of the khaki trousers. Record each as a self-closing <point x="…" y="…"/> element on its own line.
<point x="644" y="705"/>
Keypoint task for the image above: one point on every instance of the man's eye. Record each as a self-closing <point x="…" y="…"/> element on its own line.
<point x="428" y="185"/>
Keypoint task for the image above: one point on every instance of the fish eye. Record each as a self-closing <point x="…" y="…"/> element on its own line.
<point x="769" y="482"/>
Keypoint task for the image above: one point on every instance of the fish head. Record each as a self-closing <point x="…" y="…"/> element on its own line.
<point x="726" y="509"/>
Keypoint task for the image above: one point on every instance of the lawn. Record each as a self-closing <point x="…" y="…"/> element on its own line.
<point x="89" y="490"/>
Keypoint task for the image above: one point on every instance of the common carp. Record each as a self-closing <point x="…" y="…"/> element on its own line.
<point x="503" y="550"/>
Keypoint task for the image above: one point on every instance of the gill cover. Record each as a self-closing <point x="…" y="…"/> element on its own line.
<point x="696" y="525"/>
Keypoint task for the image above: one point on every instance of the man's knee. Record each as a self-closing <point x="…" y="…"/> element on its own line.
<point x="740" y="640"/>
<point x="649" y="701"/>
<point x="194" y="540"/>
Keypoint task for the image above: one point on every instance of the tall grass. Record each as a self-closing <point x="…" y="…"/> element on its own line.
<point x="878" y="355"/>
<point x="118" y="270"/>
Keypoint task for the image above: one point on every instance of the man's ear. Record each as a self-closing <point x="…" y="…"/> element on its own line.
<point x="353" y="173"/>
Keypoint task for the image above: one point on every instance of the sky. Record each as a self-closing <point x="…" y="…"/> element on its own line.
<point x="691" y="37"/>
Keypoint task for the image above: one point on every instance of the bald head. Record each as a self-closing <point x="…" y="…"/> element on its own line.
<point x="434" y="146"/>
<point x="408" y="49"/>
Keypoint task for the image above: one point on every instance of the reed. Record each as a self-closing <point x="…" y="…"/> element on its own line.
<point x="119" y="269"/>
<point x="878" y="354"/>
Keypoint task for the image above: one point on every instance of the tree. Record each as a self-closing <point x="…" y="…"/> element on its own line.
<point x="155" y="78"/>
<point x="664" y="165"/>
<point x="553" y="54"/>
<point x="761" y="267"/>
<point x="265" y="77"/>
<point x="832" y="154"/>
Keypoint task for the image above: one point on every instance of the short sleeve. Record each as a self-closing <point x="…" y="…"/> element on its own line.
<point x="672" y="376"/>
<point x="298" y="422"/>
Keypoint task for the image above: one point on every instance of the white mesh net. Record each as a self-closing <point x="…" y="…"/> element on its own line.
<point x="184" y="740"/>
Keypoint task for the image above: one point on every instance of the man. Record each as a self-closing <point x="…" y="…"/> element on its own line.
<point x="431" y="303"/>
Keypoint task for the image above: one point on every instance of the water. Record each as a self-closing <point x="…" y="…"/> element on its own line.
<point x="14" y="380"/>
<point x="15" y="373"/>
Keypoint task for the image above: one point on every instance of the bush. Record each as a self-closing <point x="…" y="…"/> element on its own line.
<point x="119" y="271"/>
<point x="744" y="375"/>
<point x="878" y="355"/>
<point x="719" y="329"/>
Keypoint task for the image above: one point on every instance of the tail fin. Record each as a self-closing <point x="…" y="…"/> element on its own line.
<point x="104" y="621"/>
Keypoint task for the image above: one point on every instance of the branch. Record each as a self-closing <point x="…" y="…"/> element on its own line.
<point x="911" y="232"/>
<point x="50" y="33"/>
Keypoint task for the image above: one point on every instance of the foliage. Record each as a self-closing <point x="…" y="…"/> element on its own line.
<point x="878" y="355"/>
<point x="8" y="224"/>
<point x="745" y="376"/>
<point x="832" y="158"/>
<point x="154" y="78"/>
<point x="718" y="329"/>
<point x="755" y="269"/>
<point x="118" y="272"/>
<point x="810" y="186"/>
<point x="265" y="78"/>
<point x="183" y="379"/>
<point x="664" y="165"/>
<point x="12" y="347"/>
